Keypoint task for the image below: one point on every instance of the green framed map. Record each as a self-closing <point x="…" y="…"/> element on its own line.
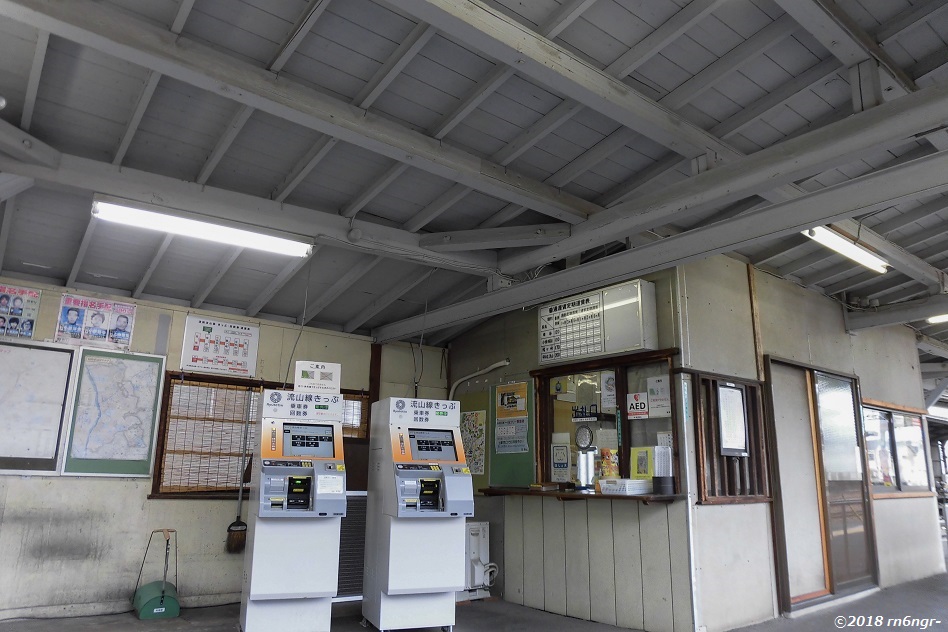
<point x="115" y="413"/>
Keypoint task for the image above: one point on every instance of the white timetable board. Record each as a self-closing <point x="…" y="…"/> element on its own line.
<point x="216" y="346"/>
<point x="611" y="320"/>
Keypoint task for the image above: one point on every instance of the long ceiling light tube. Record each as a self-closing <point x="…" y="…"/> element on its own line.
<point x="176" y="225"/>
<point x="834" y="241"/>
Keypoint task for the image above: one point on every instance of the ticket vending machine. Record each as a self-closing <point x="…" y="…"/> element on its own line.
<point x="420" y="495"/>
<point x="297" y="502"/>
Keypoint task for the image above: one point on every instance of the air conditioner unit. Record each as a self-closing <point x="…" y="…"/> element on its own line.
<point x="480" y="572"/>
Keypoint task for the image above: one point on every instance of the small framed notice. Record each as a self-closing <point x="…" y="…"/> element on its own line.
<point x="733" y="420"/>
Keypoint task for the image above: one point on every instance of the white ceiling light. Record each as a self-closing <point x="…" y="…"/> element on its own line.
<point x="937" y="320"/>
<point x="834" y="241"/>
<point x="176" y="225"/>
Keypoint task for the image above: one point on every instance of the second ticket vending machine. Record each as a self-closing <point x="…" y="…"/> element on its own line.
<point x="419" y="498"/>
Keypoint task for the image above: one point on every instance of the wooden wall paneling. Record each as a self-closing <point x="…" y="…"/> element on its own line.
<point x="656" y="568"/>
<point x="554" y="555"/>
<point x="602" y="568"/>
<point x="533" y="536"/>
<point x="628" y="556"/>
<point x="577" y="560"/>
<point x="513" y="549"/>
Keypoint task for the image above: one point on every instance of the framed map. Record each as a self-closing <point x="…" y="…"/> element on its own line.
<point x="115" y="413"/>
<point x="34" y="387"/>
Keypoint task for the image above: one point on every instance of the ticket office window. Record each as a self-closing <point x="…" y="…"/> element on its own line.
<point x="626" y="402"/>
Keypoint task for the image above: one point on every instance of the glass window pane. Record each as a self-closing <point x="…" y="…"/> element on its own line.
<point x="910" y="448"/>
<point x="879" y="450"/>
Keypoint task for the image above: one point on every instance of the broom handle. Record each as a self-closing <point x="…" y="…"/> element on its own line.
<point x="243" y="454"/>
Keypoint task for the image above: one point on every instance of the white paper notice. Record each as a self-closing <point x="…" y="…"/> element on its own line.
<point x="608" y="390"/>
<point x="510" y="436"/>
<point x="659" y="397"/>
<point x="636" y="405"/>
<point x="330" y="484"/>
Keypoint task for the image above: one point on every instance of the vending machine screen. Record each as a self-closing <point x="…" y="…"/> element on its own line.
<point x="308" y="440"/>
<point x="432" y="445"/>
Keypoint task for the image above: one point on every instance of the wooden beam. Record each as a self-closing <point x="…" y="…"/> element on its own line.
<point x="304" y="24"/>
<point x="382" y="302"/>
<point x="281" y="279"/>
<point x="81" y="254"/>
<point x="491" y="31"/>
<point x="932" y="396"/>
<point x="19" y="144"/>
<point x="904" y="313"/>
<point x="343" y="284"/>
<point x="489" y="238"/>
<point x="302" y="169"/>
<point x="6" y="227"/>
<point x="216" y="275"/>
<point x="438" y="206"/>
<point x="931" y="346"/>
<point x="152" y="266"/>
<point x="181" y="16"/>
<point x="119" y="34"/>
<point x="773" y="166"/>
<point x="227" y="139"/>
<point x="144" y="99"/>
<point x="854" y="197"/>
<point x="231" y="206"/>
<point x="32" y="84"/>
<point x="12" y="185"/>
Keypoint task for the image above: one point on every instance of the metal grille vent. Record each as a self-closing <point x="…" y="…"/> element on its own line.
<point x="352" y="547"/>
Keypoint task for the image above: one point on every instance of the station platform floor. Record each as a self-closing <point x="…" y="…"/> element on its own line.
<point x="920" y="605"/>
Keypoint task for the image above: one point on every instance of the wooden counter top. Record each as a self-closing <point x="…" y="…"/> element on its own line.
<point x="579" y="495"/>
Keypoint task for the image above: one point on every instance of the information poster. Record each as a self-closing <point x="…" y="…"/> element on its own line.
<point x="510" y="436"/>
<point x="18" y="308"/>
<point x="95" y="322"/>
<point x="608" y="390"/>
<point x="474" y="439"/>
<point x="571" y="328"/>
<point x="659" y="396"/>
<point x="511" y="400"/>
<point x="215" y="346"/>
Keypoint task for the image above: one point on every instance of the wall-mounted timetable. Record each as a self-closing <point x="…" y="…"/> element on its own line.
<point x="611" y="320"/>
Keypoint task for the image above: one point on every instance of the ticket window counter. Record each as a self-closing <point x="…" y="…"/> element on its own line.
<point x="612" y="416"/>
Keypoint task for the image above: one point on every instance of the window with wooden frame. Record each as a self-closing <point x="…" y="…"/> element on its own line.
<point x="895" y="450"/>
<point x="597" y="394"/>
<point x="732" y="454"/>
<point x="200" y="433"/>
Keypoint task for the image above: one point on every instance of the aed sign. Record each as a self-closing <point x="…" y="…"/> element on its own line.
<point x="636" y="405"/>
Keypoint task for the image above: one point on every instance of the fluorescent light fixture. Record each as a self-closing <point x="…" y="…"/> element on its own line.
<point x="834" y="241"/>
<point x="175" y="225"/>
<point x="937" y="320"/>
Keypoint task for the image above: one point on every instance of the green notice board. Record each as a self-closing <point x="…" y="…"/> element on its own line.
<point x="512" y="436"/>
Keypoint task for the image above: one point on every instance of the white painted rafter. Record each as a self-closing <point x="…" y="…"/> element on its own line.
<point x="281" y="279"/>
<point x="488" y="238"/>
<point x="233" y="129"/>
<point x="83" y="248"/>
<point x="220" y="269"/>
<point x="26" y="148"/>
<point x="903" y="313"/>
<point x="861" y="195"/>
<point x="116" y="33"/>
<point x="6" y="227"/>
<point x="32" y="84"/>
<point x="214" y="203"/>
<point x="759" y="173"/>
<point x="12" y="185"/>
<point x="298" y="33"/>
<point x="394" y="293"/>
<point x="342" y="284"/>
<point x="144" y="99"/>
<point x="152" y="266"/>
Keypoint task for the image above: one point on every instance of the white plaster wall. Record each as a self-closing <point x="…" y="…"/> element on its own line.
<point x="908" y="539"/>
<point x="73" y="546"/>
<point x="734" y="565"/>
<point x="886" y="361"/>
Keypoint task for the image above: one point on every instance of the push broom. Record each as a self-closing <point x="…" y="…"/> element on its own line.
<point x="237" y="530"/>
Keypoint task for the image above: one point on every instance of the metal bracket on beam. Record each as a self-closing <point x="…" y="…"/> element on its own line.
<point x="497" y="282"/>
